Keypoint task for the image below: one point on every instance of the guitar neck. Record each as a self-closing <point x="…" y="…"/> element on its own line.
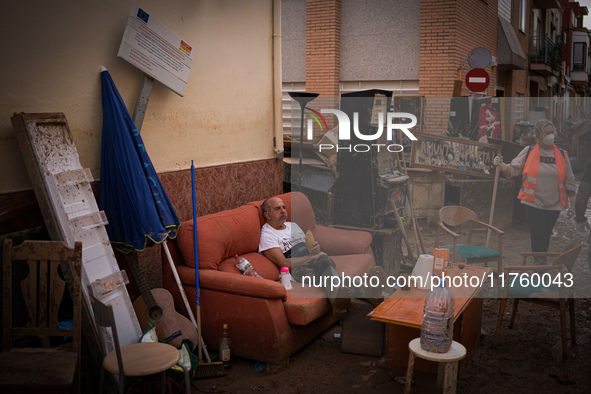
<point x="140" y="281"/>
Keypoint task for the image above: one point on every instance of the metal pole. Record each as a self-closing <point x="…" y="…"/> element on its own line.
<point x="301" y="144"/>
<point x="141" y="104"/>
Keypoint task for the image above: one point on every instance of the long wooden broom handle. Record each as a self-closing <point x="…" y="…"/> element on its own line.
<point x="492" y="206"/>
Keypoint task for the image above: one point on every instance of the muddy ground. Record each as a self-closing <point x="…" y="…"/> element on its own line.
<point x="528" y="358"/>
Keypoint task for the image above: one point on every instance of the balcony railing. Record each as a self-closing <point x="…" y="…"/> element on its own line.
<point x="544" y="50"/>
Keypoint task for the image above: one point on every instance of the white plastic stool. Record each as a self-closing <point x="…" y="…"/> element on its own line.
<point x="447" y="372"/>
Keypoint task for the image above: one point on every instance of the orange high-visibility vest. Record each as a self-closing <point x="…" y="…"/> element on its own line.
<point x="530" y="175"/>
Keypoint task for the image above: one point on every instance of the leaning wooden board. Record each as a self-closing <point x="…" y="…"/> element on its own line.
<point x="454" y="155"/>
<point x="70" y="211"/>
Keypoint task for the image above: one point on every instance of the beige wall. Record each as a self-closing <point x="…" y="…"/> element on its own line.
<point x="52" y="52"/>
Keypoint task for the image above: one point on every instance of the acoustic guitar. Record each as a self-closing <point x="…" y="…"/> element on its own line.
<point x="157" y="306"/>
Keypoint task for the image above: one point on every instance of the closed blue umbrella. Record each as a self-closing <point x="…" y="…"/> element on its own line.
<point x="135" y="202"/>
<point x="137" y="207"/>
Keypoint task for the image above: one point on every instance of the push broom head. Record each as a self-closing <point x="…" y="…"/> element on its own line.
<point x="209" y="370"/>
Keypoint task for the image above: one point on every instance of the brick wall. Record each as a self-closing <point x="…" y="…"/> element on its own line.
<point x="323" y="31"/>
<point x="450" y="29"/>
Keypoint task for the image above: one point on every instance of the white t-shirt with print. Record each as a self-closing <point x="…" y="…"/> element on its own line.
<point x="285" y="239"/>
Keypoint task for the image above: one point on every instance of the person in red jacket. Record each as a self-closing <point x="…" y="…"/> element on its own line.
<point x="547" y="183"/>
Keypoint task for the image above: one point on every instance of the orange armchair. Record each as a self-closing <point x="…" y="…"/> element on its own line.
<point x="265" y="322"/>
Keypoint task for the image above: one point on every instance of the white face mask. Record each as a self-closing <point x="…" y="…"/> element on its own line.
<point x="549" y="139"/>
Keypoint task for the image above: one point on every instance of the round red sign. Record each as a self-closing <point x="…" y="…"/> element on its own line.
<point x="477" y="80"/>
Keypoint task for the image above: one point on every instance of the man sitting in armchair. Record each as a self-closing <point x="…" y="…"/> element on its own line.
<point x="284" y="244"/>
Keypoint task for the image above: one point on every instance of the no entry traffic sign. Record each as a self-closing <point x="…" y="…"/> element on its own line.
<point x="477" y="80"/>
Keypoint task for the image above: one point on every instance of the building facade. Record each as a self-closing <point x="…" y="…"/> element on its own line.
<point x="226" y="122"/>
<point x="420" y="48"/>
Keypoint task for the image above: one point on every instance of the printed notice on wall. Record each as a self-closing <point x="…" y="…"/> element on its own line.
<point x="157" y="51"/>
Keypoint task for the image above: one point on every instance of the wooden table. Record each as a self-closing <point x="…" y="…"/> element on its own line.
<point x="403" y="311"/>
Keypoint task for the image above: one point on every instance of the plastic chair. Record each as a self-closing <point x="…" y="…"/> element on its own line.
<point x="553" y="295"/>
<point x="447" y="373"/>
<point x="137" y="359"/>
<point x="454" y="216"/>
<point x="36" y="357"/>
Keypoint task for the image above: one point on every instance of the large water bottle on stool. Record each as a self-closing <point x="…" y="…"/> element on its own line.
<point x="437" y="329"/>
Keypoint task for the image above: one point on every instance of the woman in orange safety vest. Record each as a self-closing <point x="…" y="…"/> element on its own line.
<point x="547" y="182"/>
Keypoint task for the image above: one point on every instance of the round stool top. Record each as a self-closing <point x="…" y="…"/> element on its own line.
<point x="456" y="352"/>
<point x="142" y="359"/>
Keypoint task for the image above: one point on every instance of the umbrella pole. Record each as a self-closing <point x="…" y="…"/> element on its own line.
<point x="185" y="299"/>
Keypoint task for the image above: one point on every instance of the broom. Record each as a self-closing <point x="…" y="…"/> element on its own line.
<point x="208" y="369"/>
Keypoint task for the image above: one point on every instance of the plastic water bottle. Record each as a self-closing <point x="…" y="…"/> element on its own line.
<point x="225" y="346"/>
<point x="437" y="329"/>
<point x="285" y="278"/>
<point x="245" y="267"/>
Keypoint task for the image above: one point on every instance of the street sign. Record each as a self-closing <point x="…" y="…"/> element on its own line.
<point x="477" y="80"/>
<point x="479" y="58"/>
<point x="156" y="50"/>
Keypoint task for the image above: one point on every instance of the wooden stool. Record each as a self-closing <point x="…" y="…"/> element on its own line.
<point x="447" y="373"/>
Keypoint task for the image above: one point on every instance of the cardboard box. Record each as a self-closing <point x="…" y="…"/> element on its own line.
<point x="360" y="334"/>
<point x="440" y="260"/>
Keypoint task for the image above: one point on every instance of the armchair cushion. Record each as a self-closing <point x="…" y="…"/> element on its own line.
<point x="310" y="304"/>
<point x="220" y="236"/>
<point x="473" y="252"/>
<point x="259" y="262"/>
<point x="232" y="283"/>
<point x="335" y="241"/>
<point x="355" y="264"/>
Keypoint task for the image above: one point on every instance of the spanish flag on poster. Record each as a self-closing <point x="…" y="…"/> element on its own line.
<point x="185" y="47"/>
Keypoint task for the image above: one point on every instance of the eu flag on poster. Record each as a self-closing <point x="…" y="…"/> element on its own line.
<point x="143" y="15"/>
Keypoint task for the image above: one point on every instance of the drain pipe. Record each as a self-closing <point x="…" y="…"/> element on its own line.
<point x="277" y="81"/>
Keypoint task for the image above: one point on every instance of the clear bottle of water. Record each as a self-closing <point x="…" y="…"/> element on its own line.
<point x="225" y="346"/>
<point x="437" y="329"/>
<point x="245" y="267"/>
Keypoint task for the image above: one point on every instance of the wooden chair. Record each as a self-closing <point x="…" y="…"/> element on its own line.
<point x="553" y="295"/>
<point x="137" y="359"/>
<point x="454" y="216"/>
<point x="36" y="357"/>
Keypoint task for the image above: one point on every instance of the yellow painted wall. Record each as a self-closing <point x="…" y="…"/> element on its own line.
<point x="52" y="52"/>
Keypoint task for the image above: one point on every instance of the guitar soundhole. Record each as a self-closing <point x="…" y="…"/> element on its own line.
<point x="155" y="313"/>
